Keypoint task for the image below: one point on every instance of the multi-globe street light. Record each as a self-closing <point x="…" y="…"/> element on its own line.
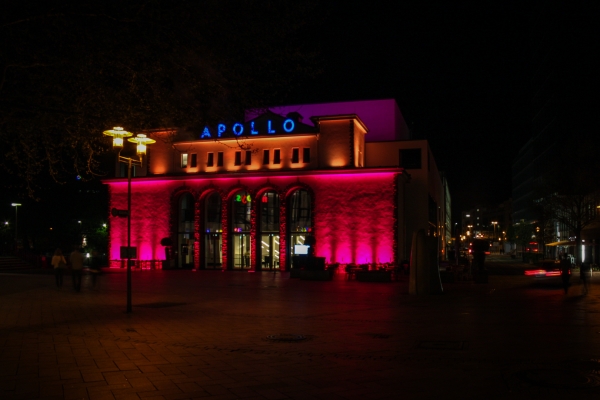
<point x="118" y="134"/>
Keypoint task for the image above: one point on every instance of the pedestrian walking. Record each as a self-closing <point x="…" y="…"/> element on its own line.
<point x="95" y="266"/>
<point x="565" y="271"/>
<point x="59" y="263"/>
<point x="76" y="259"/>
<point x="585" y="273"/>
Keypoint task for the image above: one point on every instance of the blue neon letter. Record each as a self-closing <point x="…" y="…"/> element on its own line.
<point x="252" y="131"/>
<point x="205" y="133"/>
<point x="220" y="129"/>
<point x="288" y="125"/>
<point x="269" y="130"/>
<point x="238" y="129"/>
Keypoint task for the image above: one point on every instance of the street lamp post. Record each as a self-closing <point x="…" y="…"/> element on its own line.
<point x="118" y="134"/>
<point x="16" y="206"/>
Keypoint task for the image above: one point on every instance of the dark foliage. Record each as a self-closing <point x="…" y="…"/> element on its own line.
<point x="71" y="69"/>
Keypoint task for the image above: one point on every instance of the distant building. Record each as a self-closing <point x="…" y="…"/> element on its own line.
<point x="562" y="69"/>
<point x="490" y="223"/>
<point x="257" y="194"/>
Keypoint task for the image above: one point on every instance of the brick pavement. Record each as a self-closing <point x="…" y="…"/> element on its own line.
<point x="238" y="335"/>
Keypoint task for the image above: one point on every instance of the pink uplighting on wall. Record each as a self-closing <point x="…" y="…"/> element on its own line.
<point x="354" y="211"/>
<point x="150" y="207"/>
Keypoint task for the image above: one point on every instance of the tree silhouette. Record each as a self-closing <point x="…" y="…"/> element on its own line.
<point x="69" y="70"/>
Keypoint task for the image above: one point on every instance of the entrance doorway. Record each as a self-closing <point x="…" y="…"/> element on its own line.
<point x="240" y="230"/>
<point x="269" y="248"/>
<point x="213" y="233"/>
<point x="241" y="251"/>
<point x="299" y="227"/>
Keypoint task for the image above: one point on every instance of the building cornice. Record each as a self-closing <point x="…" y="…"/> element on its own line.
<point x="263" y="174"/>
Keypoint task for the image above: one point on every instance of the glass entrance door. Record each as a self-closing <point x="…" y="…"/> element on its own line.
<point x="241" y="251"/>
<point x="299" y="227"/>
<point x="240" y="226"/>
<point x="269" y="246"/>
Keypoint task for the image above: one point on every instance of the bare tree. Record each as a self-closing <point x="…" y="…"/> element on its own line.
<point x="69" y="70"/>
<point x="569" y="192"/>
<point x="575" y="212"/>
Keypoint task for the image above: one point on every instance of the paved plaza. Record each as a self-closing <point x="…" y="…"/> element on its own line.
<point x="239" y="335"/>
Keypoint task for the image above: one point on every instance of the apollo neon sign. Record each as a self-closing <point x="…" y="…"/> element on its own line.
<point x="251" y="128"/>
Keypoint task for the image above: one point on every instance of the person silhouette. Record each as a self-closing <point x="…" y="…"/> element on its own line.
<point x="565" y="271"/>
<point x="59" y="263"/>
<point x="76" y="259"/>
<point x="584" y="274"/>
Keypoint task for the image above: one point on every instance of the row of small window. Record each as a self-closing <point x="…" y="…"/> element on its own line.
<point x="192" y="159"/>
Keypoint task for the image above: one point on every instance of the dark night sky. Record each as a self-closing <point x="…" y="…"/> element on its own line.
<point x="458" y="73"/>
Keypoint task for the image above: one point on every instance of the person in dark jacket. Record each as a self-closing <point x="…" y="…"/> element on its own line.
<point x="76" y="259"/>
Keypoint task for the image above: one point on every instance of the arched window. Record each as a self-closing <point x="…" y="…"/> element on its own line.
<point x="269" y="230"/>
<point x="299" y="224"/>
<point x="212" y="232"/>
<point x="186" y="231"/>
<point x="240" y="229"/>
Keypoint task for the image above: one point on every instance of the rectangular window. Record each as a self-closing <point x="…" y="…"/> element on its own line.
<point x="306" y="155"/>
<point x="248" y="157"/>
<point x="238" y="158"/>
<point x="184" y="160"/>
<point x="194" y="161"/>
<point x="295" y="155"/>
<point x="211" y="159"/>
<point x="220" y="159"/>
<point x="410" y="158"/>
<point x="266" y="157"/>
<point x="277" y="156"/>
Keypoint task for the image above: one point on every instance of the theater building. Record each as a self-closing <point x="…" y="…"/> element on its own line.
<point x="255" y="194"/>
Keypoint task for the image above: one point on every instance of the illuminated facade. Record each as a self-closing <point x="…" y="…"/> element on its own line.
<point x="254" y="195"/>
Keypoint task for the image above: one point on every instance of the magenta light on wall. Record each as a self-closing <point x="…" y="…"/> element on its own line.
<point x="354" y="213"/>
